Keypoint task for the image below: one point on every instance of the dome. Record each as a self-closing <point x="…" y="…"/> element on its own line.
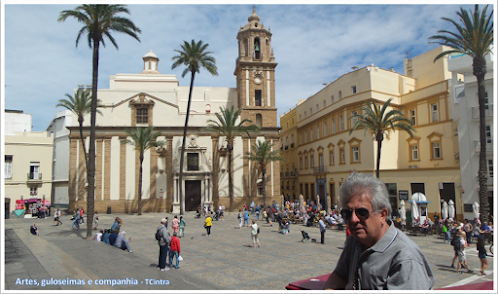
<point x="150" y="54"/>
<point x="253" y="16"/>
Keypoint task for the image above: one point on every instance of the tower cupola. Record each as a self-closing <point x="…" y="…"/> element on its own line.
<point x="150" y="63"/>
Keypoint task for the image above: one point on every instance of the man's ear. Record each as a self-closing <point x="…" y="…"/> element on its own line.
<point x="383" y="213"/>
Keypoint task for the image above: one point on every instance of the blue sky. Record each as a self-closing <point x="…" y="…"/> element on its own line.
<point x="313" y="44"/>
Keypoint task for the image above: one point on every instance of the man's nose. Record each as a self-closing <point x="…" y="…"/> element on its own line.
<point x="354" y="217"/>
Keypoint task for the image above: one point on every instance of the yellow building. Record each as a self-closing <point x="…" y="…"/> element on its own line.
<point x="426" y="163"/>
<point x="288" y="146"/>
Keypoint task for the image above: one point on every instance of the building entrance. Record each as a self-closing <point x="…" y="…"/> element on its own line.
<point x="192" y="195"/>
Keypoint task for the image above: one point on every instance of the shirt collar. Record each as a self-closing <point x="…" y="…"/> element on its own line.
<point x="386" y="240"/>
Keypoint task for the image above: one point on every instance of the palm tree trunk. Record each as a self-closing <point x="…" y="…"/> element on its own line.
<point x="83" y="142"/>
<point x="230" y="176"/>
<point x="479" y="67"/>
<point x="263" y="175"/>
<point x="91" y="150"/>
<point x="140" y="184"/>
<point x="182" y="155"/>
<point x="379" y="139"/>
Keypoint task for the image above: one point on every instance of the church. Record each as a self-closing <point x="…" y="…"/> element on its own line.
<point x="150" y="98"/>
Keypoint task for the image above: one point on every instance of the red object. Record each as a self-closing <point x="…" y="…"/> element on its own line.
<point x="175" y="244"/>
<point x="348" y="232"/>
<point x="317" y="283"/>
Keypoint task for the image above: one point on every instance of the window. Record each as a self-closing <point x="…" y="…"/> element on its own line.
<point x="333" y="99"/>
<point x="312" y="161"/>
<point x="317" y="108"/>
<point x="257" y="98"/>
<point x="343" y="156"/>
<point x="34" y="171"/>
<point x="489" y="138"/>
<point x="332" y="157"/>
<point x="325" y="130"/>
<point x="318" y="132"/>
<point x="306" y="162"/>
<point x="301" y="139"/>
<point x="341" y="123"/>
<point x="192" y="161"/>
<point x="259" y="120"/>
<point x="414" y="149"/>
<point x="490" y="168"/>
<point x="434" y="111"/>
<point x="353" y="89"/>
<point x="8" y="166"/>
<point x="292" y="141"/>
<point x="320" y="159"/>
<point x="305" y="114"/>
<point x="412" y="116"/>
<point x="340" y="95"/>
<point x="324" y="103"/>
<point x="436" y="150"/>
<point x="333" y="126"/>
<point x="356" y="154"/>
<point x="311" y="135"/>
<point x="354" y="118"/>
<point x="33" y="190"/>
<point x="300" y="163"/>
<point x="142" y="116"/>
<point x="311" y="110"/>
<point x="287" y="125"/>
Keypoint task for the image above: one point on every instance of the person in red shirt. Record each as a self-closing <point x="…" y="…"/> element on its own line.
<point x="81" y="216"/>
<point x="175" y="250"/>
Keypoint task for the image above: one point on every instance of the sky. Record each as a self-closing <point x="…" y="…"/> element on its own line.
<point x="312" y="44"/>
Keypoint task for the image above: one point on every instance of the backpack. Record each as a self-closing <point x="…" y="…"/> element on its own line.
<point x="457" y="245"/>
<point x="158" y="235"/>
<point x="238" y="216"/>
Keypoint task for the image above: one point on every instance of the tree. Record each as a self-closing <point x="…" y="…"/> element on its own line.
<point x="194" y="56"/>
<point x="80" y="105"/>
<point x="228" y="126"/>
<point x="99" y="21"/>
<point x="474" y="37"/>
<point x="263" y="154"/>
<point x="381" y="122"/>
<point x="142" y="139"/>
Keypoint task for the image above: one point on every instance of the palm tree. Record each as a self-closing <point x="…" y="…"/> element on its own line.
<point x="228" y="126"/>
<point x="263" y="154"/>
<point x="381" y="122"/>
<point x="142" y="139"/>
<point x="474" y="37"/>
<point x="194" y="56"/>
<point x="80" y="105"/>
<point x="99" y="21"/>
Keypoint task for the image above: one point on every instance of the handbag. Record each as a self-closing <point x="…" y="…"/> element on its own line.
<point x="180" y="258"/>
<point x="205" y="226"/>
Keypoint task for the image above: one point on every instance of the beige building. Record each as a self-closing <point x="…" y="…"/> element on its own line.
<point x="150" y="98"/>
<point x="426" y="163"/>
<point x="288" y="145"/>
<point x="28" y="161"/>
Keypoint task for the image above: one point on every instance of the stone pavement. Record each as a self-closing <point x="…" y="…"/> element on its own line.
<point x="225" y="260"/>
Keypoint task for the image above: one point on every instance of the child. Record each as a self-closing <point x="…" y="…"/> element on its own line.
<point x="96" y="219"/>
<point x="34" y="230"/>
<point x="462" y="259"/>
<point x="482" y="255"/>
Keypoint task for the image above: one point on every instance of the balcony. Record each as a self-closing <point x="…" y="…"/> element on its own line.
<point x="477" y="146"/>
<point x="293" y="173"/>
<point x="287" y="174"/>
<point x="34" y="177"/>
<point x="488" y="111"/>
<point x="320" y="170"/>
<point x="286" y="147"/>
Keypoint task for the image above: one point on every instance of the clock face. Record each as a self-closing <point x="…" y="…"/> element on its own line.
<point x="257" y="79"/>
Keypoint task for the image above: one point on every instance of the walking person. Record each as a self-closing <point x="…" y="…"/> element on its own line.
<point x="254" y="234"/>
<point x="246" y="218"/>
<point x="57" y="217"/>
<point x="182" y="227"/>
<point x="482" y="255"/>
<point x="468" y="228"/>
<point x="207" y="224"/>
<point x="96" y="219"/>
<point x="163" y="241"/>
<point x="240" y="217"/>
<point x="323" y="229"/>
<point x="76" y="221"/>
<point x="175" y="251"/>
<point x="462" y="258"/>
<point x="175" y="224"/>
<point x="82" y="219"/>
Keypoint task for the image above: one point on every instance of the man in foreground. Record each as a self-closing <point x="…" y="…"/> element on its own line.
<point x="376" y="255"/>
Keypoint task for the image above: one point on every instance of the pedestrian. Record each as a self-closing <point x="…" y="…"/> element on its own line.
<point x="255" y="234"/>
<point x="240" y="218"/>
<point x="122" y="243"/>
<point x="455" y="242"/>
<point x="175" y="251"/>
<point x="182" y="227"/>
<point x="468" y="228"/>
<point x="462" y="258"/>
<point x="175" y="224"/>
<point x="446" y="232"/>
<point x="482" y="255"/>
<point x="163" y="242"/>
<point x="96" y="219"/>
<point x="34" y="230"/>
<point x="166" y="225"/>
<point x="265" y="215"/>
<point x="208" y="222"/>
<point x="57" y="217"/>
<point x="246" y="218"/>
<point x="323" y="229"/>
<point x="82" y="219"/>
<point x="76" y="220"/>
<point x="376" y="255"/>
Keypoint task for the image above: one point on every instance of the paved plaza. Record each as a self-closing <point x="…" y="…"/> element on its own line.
<point x="225" y="260"/>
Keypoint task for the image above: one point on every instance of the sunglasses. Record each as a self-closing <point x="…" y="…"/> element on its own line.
<point x="361" y="213"/>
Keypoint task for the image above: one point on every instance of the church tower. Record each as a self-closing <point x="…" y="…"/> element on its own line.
<point x="255" y="72"/>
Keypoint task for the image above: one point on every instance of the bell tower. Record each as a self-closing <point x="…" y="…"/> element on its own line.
<point x="255" y="72"/>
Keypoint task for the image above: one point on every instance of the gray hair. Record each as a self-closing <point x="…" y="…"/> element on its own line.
<point x="363" y="183"/>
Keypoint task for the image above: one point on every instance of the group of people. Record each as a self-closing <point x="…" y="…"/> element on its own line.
<point x="114" y="236"/>
<point x="168" y="245"/>
<point x="78" y="218"/>
<point x="39" y="210"/>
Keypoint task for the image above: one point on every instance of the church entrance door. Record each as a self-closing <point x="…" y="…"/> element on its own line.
<point x="192" y="195"/>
